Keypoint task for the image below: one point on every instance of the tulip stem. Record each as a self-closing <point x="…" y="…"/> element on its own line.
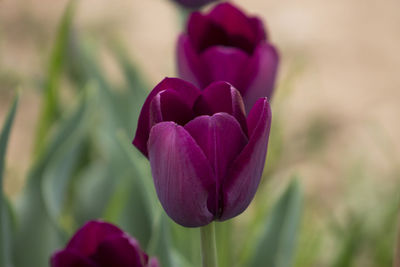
<point x="208" y="245"/>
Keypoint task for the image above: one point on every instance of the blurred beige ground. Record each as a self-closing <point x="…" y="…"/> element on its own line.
<point x="340" y="60"/>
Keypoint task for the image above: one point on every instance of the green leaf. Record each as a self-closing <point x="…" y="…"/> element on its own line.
<point x="50" y="111"/>
<point x="277" y="245"/>
<point x="7" y="231"/>
<point x="133" y="77"/>
<point x="60" y="170"/>
<point x="4" y="218"/>
<point x="38" y="234"/>
<point x="352" y="243"/>
<point x="187" y="242"/>
<point x="160" y="244"/>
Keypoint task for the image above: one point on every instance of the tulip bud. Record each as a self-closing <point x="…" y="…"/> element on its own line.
<point x="100" y="244"/>
<point x="227" y="45"/>
<point x="206" y="155"/>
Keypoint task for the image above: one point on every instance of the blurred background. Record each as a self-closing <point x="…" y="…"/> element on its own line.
<point x="336" y="108"/>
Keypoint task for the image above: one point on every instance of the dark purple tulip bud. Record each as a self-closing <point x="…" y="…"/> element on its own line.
<point x="101" y="244"/>
<point x="227" y="45"/>
<point x="194" y="3"/>
<point x="206" y="156"/>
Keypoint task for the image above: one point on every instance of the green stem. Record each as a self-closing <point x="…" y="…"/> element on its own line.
<point x="208" y="245"/>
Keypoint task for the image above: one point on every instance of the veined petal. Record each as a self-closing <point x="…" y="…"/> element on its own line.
<point x="182" y="175"/>
<point x="261" y="72"/>
<point x="70" y="258"/>
<point x="221" y="139"/>
<point x="86" y="240"/>
<point x="244" y="177"/>
<point x="187" y="92"/>
<point x="221" y="97"/>
<point x="223" y="63"/>
<point x="120" y="251"/>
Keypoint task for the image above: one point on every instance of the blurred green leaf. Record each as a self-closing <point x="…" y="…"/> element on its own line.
<point x="352" y="242"/>
<point x="133" y="202"/>
<point x="50" y="111"/>
<point x="133" y="77"/>
<point x="35" y="224"/>
<point x="160" y="243"/>
<point x="277" y="245"/>
<point x="57" y="177"/>
<point x="4" y="214"/>
<point x="7" y="231"/>
<point x="187" y="242"/>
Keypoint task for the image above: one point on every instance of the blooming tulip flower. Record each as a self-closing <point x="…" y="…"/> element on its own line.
<point x="206" y="157"/>
<point x="101" y="244"/>
<point x="194" y="3"/>
<point x="227" y="45"/>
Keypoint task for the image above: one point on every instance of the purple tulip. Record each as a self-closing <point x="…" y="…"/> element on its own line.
<point x="194" y="3"/>
<point x="101" y="244"/>
<point x="227" y="45"/>
<point x="206" y="156"/>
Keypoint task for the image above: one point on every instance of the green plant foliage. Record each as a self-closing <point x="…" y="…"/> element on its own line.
<point x="51" y="111"/>
<point x="277" y="245"/>
<point x="5" y="214"/>
<point x="35" y="222"/>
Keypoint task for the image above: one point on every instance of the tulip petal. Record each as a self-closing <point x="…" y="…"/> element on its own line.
<point x="198" y="29"/>
<point x="168" y="105"/>
<point x="182" y="175"/>
<point x="221" y="139"/>
<point x="86" y="239"/>
<point x="187" y="91"/>
<point x="233" y="21"/>
<point x="261" y="72"/>
<point x="259" y="29"/>
<point x="119" y="252"/>
<point x="225" y="25"/>
<point x="69" y="258"/>
<point x="244" y="177"/>
<point x="221" y="97"/>
<point x="224" y="63"/>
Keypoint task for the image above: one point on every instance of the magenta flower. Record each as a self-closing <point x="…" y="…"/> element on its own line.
<point x="227" y="45"/>
<point x="206" y="157"/>
<point x="194" y="3"/>
<point x="101" y="244"/>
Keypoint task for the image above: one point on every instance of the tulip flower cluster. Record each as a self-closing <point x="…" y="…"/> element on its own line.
<point x="206" y="155"/>
<point x="205" y="133"/>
